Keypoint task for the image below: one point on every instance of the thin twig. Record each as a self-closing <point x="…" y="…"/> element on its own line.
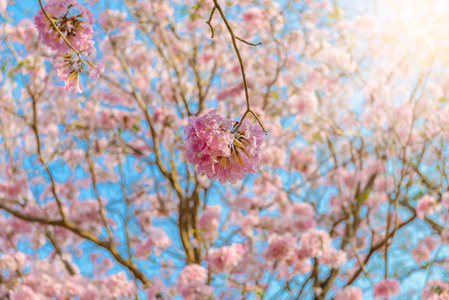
<point x="34" y="126"/>
<point x="362" y="264"/>
<point x="248" y="43"/>
<point x="58" y="252"/>
<point x="126" y="221"/>
<point x="101" y="208"/>
<point x="242" y="68"/>
<point x="208" y="22"/>
<point x="82" y="233"/>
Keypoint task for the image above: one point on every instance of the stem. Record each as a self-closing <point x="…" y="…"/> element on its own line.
<point x="242" y="68"/>
<point x="34" y="126"/>
<point x="234" y="43"/>
<point x="208" y="22"/>
<point x="248" y="43"/>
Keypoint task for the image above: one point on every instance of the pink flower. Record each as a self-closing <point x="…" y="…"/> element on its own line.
<point x="421" y="254"/>
<point x="445" y="237"/>
<point x="195" y="291"/>
<point x="192" y="273"/>
<point x="117" y="285"/>
<point x="374" y="199"/>
<point x="207" y="56"/>
<point x="69" y="68"/>
<point x="334" y="258"/>
<point x="73" y="20"/>
<point x="426" y="206"/>
<point x="365" y="23"/>
<point x="430" y="242"/>
<point x="209" y="222"/>
<point x="338" y="58"/>
<point x="315" y="243"/>
<point x="3" y="6"/>
<point x="220" y="153"/>
<point x="304" y="223"/>
<point x="69" y="72"/>
<point x="207" y="137"/>
<point x="14" y="189"/>
<point x="158" y="239"/>
<point x="387" y="288"/>
<point x="302" y="209"/>
<point x="383" y="184"/>
<point x="445" y="200"/>
<point x="247" y="203"/>
<point x="145" y="219"/>
<point x="302" y="216"/>
<point x="340" y="200"/>
<point x="95" y="70"/>
<point x="425" y="246"/>
<point x="304" y="103"/>
<point x="24" y="292"/>
<point x="302" y="264"/>
<point x="111" y="19"/>
<point x="280" y="247"/>
<point x="435" y="290"/>
<point x="226" y="258"/>
<point x="230" y="92"/>
<point x="191" y="283"/>
<point x="253" y="18"/>
<point x="248" y="223"/>
<point x="157" y="286"/>
<point x="353" y="293"/>
<point x="25" y="32"/>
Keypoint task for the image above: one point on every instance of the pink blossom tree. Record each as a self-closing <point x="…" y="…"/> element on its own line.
<point x="211" y="149"/>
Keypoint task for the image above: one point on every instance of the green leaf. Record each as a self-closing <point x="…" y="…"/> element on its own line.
<point x="4" y="65"/>
<point x="364" y="196"/>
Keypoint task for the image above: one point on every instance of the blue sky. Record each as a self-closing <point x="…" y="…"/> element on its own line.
<point x="111" y="191"/>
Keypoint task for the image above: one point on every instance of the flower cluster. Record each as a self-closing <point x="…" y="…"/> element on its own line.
<point x="3" y="6"/>
<point x="226" y="258"/>
<point x="219" y="150"/>
<point x="387" y="288"/>
<point x="74" y="21"/>
<point x="191" y="283"/>
<point x="209" y="222"/>
<point x="280" y="247"/>
<point x="349" y="292"/>
<point x="69" y="67"/>
<point x="435" y="289"/>
<point x="315" y="243"/>
<point x="425" y="246"/>
<point x="426" y="206"/>
<point x="157" y="239"/>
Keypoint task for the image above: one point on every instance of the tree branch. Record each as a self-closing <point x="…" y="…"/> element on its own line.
<point x="242" y="68"/>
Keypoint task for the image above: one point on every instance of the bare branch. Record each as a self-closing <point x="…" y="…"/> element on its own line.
<point x="208" y="22"/>
<point x="248" y="43"/>
<point x="242" y="68"/>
